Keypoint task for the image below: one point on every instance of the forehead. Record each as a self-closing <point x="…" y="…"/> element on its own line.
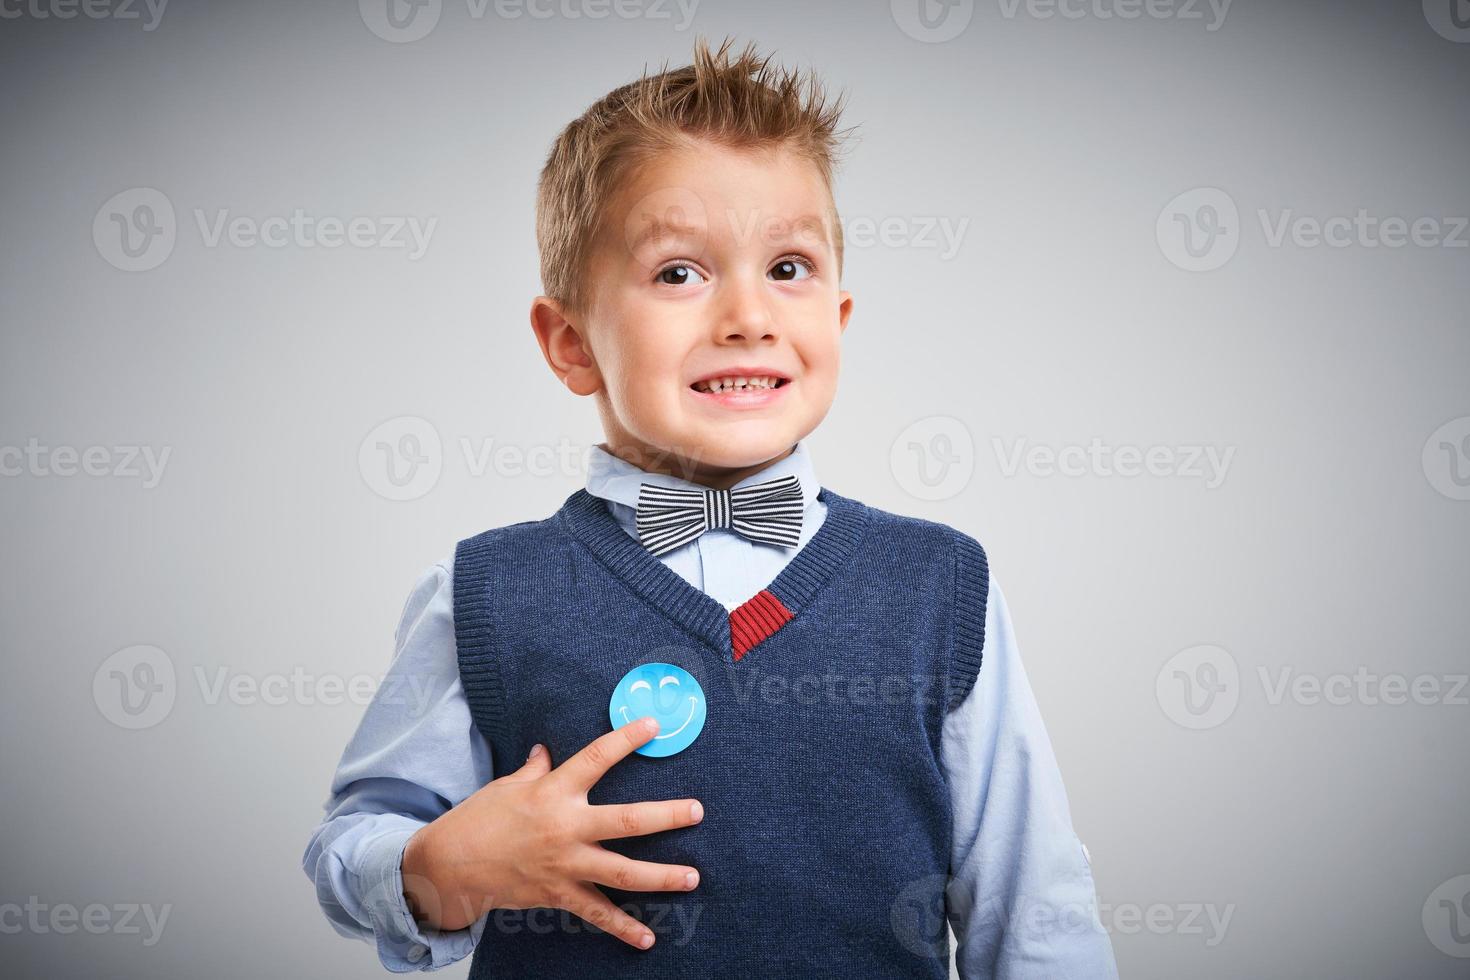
<point x="714" y="193"/>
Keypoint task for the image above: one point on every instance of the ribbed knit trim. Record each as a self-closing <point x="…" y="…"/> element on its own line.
<point x="756" y="619"/>
<point x="587" y="518"/>
<point x="972" y="588"/>
<point x="474" y="564"/>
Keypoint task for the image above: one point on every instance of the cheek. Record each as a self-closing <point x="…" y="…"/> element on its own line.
<point x="650" y="368"/>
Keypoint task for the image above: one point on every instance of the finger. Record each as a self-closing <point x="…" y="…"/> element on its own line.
<point x="617" y="871"/>
<point x="538" y="764"/>
<point x="634" y="819"/>
<point x="595" y="907"/>
<point x="589" y="765"/>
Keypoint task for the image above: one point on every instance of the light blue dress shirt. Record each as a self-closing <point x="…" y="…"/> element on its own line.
<point x="1021" y="899"/>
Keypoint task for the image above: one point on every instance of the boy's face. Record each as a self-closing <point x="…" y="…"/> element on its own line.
<point x="714" y="263"/>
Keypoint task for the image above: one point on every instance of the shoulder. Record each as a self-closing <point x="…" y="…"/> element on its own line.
<point x="890" y="527"/>
<point x="506" y="540"/>
<point x="916" y="542"/>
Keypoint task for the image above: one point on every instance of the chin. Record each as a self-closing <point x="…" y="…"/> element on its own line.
<point x="732" y="450"/>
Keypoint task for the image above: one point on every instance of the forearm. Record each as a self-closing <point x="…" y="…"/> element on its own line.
<point x="436" y="896"/>
<point x="354" y="861"/>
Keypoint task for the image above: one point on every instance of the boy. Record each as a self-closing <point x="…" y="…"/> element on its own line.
<point x="843" y="748"/>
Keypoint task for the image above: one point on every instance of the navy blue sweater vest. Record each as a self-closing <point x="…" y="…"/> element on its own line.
<point x="826" y="838"/>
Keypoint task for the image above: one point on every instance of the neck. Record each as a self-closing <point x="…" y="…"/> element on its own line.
<point x="670" y="464"/>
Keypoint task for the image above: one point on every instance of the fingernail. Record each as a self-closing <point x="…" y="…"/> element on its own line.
<point x="650" y="724"/>
<point x="536" y="750"/>
<point x="691" y="879"/>
<point x="646" y="941"/>
<point x="696" y="811"/>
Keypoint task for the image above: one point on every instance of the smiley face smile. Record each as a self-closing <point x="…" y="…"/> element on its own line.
<point x="693" y="705"/>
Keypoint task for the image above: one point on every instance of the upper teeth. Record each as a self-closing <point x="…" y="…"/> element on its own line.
<point x="727" y="384"/>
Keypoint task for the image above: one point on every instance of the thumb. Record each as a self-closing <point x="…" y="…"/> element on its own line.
<point x="538" y="764"/>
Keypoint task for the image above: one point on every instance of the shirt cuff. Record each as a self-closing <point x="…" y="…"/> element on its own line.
<point x="403" y="945"/>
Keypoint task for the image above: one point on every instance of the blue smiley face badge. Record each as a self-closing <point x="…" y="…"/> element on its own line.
<point x="668" y="693"/>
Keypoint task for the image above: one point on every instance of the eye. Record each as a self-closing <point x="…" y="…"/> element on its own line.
<point x="793" y="268"/>
<point x="668" y="680"/>
<point x="637" y="684"/>
<point x="679" y="274"/>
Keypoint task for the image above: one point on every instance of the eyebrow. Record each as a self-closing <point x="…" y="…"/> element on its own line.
<point x="657" y="229"/>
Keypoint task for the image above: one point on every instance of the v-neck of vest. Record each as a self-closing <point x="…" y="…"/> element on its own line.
<point x="734" y="632"/>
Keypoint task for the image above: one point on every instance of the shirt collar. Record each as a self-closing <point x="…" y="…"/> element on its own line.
<point x="616" y="480"/>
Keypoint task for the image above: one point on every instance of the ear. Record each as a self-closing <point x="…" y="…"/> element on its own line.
<point x="564" y="347"/>
<point x="844" y="309"/>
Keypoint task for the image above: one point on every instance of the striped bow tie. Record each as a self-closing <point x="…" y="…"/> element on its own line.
<point x="768" y="513"/>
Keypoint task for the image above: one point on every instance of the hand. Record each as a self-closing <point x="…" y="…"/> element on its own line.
<point x="529" y="839"/>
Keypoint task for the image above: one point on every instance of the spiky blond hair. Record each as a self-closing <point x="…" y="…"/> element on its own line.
<point x="739" y="100"/>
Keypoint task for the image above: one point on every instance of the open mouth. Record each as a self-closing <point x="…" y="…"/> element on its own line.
<point x="732" y="384"/>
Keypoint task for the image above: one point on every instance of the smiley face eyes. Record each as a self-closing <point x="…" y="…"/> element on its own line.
<point x="644" y="685"/>
<point x="657" y="699"/>
<point x="669" y="693"/>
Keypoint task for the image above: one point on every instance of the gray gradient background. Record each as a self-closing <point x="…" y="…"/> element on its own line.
<point x="1322" y="829"/>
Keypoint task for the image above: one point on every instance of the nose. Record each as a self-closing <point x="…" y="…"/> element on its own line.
<point x="745" y="310"/>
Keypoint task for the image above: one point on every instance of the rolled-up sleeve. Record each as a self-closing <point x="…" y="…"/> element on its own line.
<point x="415" y="754"/>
